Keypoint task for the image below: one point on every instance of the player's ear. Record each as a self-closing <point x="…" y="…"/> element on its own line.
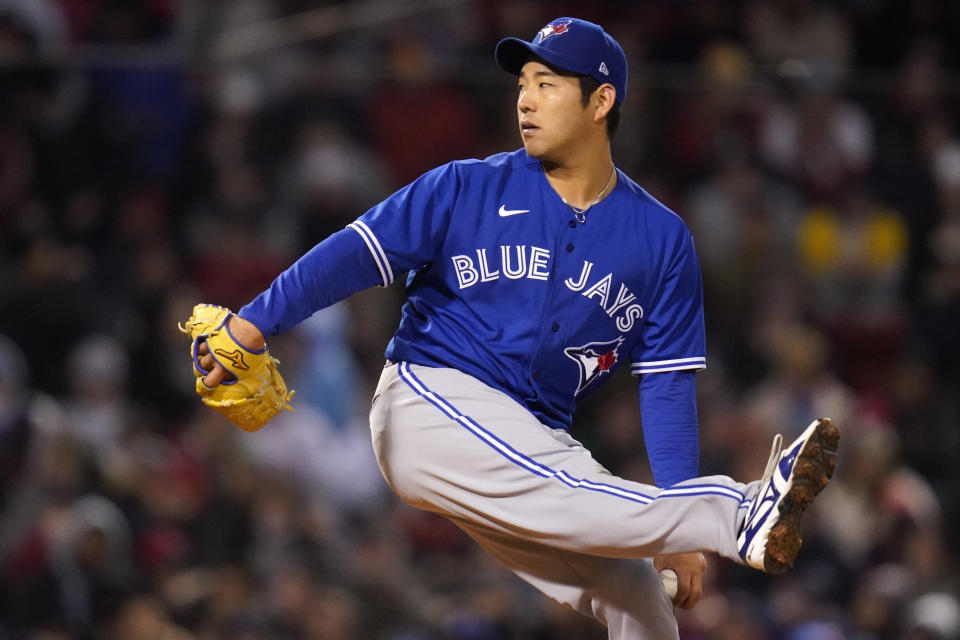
<point x="605" y="96"/>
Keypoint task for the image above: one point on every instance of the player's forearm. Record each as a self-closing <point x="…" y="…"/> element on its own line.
<point x="333" y="270"/>
<point x="668" y="407"/>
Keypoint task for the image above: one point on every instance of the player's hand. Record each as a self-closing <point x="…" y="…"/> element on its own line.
<point x="246" y="334"/>
<point x="689" y="568"/>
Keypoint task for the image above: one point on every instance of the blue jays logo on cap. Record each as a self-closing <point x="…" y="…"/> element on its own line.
<point x="573" y="45"/>
<point x="554" y="28"/>
<point x="594" y="359"/>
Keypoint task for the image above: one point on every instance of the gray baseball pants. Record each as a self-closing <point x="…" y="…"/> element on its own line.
<point x="536" y="499"/>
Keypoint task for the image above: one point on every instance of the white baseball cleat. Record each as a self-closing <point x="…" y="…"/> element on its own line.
<point x="770" y="537"/>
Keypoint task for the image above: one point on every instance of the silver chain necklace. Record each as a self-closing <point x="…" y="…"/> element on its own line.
<point x="580" y="214"/>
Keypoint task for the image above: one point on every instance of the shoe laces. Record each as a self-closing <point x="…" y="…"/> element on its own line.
<point x="775" y="450"/>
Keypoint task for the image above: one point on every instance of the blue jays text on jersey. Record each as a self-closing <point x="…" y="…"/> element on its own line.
<point x="505" y="285"/>
<point x="514" y="262"/>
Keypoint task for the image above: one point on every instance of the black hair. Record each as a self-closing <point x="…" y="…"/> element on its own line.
<point x="589" y="84"/>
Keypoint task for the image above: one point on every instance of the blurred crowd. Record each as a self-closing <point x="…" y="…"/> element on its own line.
<point x="156" y="154"/>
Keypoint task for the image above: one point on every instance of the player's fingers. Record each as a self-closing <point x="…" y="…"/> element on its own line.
<point x="694" y="591"/>
<point x="683" y="588"/>
<point x="207" y="362"/>
<point x="204" y="358"/>
<point x="217" y="373"/>
<point x="216" y="376"/>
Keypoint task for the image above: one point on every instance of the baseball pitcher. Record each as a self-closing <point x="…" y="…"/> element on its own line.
<point x="531" y="277"/>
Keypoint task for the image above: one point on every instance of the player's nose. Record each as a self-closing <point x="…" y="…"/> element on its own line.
<point x="525" y="103"/>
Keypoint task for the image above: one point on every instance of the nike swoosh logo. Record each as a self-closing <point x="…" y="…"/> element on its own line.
<point x="504" y="212"/>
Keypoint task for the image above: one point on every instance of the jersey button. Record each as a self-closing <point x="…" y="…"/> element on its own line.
<point x="572" y="224"/>
<point x="555" y="327"/>
<point x="569" y="248"/>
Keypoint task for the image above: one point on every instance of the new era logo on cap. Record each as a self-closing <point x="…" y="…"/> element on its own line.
<point x="572" y="45"/>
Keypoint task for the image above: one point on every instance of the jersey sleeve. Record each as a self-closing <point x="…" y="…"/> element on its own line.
<point x="401" y="233"/>
<point x="668" y="411"/>
<point x="331" y="271"/>
<point x="673" y="335"/>
<point x="405" y="231"/>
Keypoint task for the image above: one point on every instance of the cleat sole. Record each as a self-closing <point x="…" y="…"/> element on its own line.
<point x="811" y="473"/>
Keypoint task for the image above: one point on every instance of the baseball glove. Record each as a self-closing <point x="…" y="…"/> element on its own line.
<point x="257" y="391"/>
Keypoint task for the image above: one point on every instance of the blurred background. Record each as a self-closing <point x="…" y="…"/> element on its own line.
<point x="155" y="154"/>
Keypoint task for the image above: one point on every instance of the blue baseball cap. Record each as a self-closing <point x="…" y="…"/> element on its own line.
<point x="572" y="45"/>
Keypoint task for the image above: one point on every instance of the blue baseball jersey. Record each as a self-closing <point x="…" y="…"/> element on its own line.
<point x="506" y="285"/>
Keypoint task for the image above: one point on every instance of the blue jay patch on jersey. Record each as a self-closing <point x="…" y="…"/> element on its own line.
<point x="553" y="29"/>
<point x="594" y="359"/>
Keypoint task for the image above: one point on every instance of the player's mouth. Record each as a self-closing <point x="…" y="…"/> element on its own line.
<point x="528" y="128"/>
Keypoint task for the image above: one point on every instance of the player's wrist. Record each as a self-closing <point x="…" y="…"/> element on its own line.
<point x="247" y="333"/>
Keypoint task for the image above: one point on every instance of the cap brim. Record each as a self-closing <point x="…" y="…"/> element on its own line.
<point x="511" y="53"/>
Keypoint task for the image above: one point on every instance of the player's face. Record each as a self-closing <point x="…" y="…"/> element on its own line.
<point x="552" y="117"/>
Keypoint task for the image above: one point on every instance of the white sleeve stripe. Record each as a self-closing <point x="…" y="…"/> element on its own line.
<point x="379" y="256"/>
<point x="660" y="363"/>
<point x="638" y="370"/>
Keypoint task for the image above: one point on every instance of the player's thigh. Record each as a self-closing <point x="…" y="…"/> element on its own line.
<point x="442" y="436"/>
<point x="450" y="444"/>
